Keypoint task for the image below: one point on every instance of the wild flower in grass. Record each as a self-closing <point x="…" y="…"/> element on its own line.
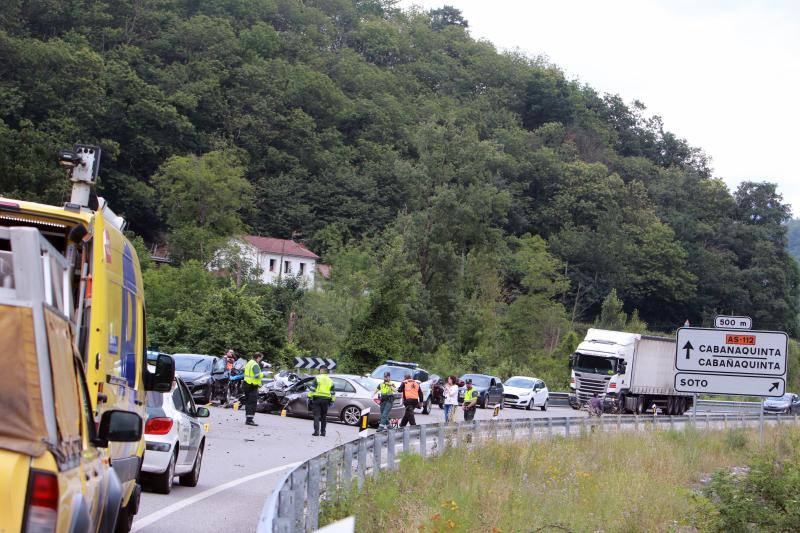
<point x="450" y="504"/>
<point x="451" y="524"/>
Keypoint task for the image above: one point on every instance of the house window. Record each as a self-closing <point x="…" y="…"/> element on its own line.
<point x="272" y="265"/>
<point x="287" y="267"/>
<point x="302" y="268"/>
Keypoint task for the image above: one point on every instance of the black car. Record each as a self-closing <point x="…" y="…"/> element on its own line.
<point x="490" y="389"/>
<point x="206" y="376"/>
<point x="788" y="403"/>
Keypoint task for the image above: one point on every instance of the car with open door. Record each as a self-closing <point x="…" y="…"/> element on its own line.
<point x="206" y="376"/>
<point x="174" y="439"/>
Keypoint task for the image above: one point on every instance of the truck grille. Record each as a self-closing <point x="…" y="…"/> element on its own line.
<point x="587" y="386"/>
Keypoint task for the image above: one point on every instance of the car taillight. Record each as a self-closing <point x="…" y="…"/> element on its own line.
<point x="42" y="511"/>
<point x="612" y="385"/>
<point x="158" y="426"/>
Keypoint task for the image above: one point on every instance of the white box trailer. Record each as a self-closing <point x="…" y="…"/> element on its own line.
<point x="629" y="371"/>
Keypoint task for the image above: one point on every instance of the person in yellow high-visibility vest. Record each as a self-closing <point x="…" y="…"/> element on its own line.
<point x="321" y="396"/>
<point x="252" y="382"/>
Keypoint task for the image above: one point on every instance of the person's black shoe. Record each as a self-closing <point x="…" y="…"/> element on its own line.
<point x="250" y="423"/>
<point x="322" y="434"/>
<point x="315" y="434"/>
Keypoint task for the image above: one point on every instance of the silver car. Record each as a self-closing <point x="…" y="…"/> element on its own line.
<point x="353" y="393"/>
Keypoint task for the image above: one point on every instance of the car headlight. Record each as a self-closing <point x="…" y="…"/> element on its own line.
<point x="202" y="381"/>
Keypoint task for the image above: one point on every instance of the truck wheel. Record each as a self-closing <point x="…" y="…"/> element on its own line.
<point x="162" y="483"/>
<point x="640" y="405"/>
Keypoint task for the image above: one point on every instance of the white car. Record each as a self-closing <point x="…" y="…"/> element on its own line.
<point x="527" y="392"/>
<point x="174" y="439"/>
<point x="398" y="370"/>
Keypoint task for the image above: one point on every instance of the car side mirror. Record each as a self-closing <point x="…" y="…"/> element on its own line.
<point x="118" y="426"/>
<point x="203" y="412"/>
<point x="161" y="379"/>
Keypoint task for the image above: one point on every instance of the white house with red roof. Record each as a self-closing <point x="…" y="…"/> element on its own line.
<point x="282" y="258"/>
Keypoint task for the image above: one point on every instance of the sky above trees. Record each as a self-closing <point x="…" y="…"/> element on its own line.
<point x="722" y="74"/>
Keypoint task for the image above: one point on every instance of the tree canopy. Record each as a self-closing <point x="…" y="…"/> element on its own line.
<point x="478" y="204"/>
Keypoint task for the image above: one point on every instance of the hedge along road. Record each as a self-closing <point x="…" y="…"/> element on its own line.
<point x="241" y="465"/>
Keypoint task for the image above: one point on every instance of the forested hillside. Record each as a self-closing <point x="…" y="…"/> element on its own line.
<point x="475" y="205"/>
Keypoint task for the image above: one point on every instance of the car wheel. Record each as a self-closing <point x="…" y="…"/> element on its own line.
<point x="351" y="415"/>
<point x="426" y="407"/>
<point x="124" y="519"/>
<point x="530" y="405"/>
<point x="544" y="405"/>
<point x="162" y="483"/>
<point x="190" y="479"/>
<point x="485" y="401"/>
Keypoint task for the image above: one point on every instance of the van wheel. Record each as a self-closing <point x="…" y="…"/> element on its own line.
<point x="162" y="483"/>
<point x="190" y="479"/>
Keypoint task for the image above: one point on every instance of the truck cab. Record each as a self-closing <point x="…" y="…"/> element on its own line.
<point x="599" y="365"/>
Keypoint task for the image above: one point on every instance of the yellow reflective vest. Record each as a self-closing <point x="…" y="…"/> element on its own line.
<point x="323" y="388"/>
<point x="252" y="373"/>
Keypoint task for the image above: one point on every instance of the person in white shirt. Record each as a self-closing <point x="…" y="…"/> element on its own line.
<point x="450" y="399"/>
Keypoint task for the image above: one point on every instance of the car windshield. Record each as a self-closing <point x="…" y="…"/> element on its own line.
<point x="522" y="383"/>
<point x="478" y="380"/>
<point x="368" y="383"/>
<point x="785" y="398"/>
<point x="594" y="364"/>
<point x="192" y="364"/>
<point x="397" y="373"/>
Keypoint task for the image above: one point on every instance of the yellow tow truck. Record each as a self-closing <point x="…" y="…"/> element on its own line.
<point x="73" y="347"/>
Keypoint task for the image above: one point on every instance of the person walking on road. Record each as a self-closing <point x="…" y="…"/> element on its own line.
<point x="470" y="402"/>
<point x="322" y="396"/>
<point x="595" y="405"/>
<point x="386" y="392"/>
<point x="411" y="400"/>
<point x="450" y="399"/>
<point x="252" y="382"/>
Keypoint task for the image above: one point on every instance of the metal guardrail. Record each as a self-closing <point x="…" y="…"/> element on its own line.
<point x="561" y="399"/>
<point x="298" y="499"/>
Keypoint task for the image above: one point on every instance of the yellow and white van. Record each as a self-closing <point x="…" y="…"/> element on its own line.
<point x="101" y="295"/>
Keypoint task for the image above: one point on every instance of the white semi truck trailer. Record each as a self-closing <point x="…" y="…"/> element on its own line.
<point x="629" y="371"/>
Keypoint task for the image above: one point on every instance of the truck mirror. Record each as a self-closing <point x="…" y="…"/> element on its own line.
<point x="118" y="426"/>
<point x="623" y="365"/>
<point x="161" y="379"/>
<point x="572" y="361"/>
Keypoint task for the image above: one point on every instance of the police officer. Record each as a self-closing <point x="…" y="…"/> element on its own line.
<point x="386" y="396"/>
<point x="470" y="402"/>
<point x="321" y="395"/>
<point x="252" y="382"/>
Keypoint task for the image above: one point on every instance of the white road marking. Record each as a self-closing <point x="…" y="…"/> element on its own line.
<point x="152" y="518"/>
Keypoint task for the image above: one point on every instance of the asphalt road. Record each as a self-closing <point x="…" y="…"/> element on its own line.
<point x="242" y="465"/>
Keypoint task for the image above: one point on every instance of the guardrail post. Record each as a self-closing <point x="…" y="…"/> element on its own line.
<point x="313" y="495"/>
<point x="549" y="426"/>
<point x="512" y="429"/>
<point x="423" y="441"/>
<point x="583" y="427"/>
<point x="406" y="440"/>
<point x="377" y="439"/>
<point x="671" y="422"/>
<point x="331" y="473"/>
<point x="725" y="420"/>
<point x="619" y="422"/>
<point x="283" y="520"/>
<point x="299" y="481"/>
<point x="566" y="426"/>
<point x="362" y="461"/>
<point x="391" y="442"/>
<point x="441" y="437"/>
<point x="708" y="421"/>
<point x="347" y="466"/>
<point x="636" y="422"/>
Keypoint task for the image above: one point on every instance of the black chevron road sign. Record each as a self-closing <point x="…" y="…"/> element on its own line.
<point x="314" y="362"/>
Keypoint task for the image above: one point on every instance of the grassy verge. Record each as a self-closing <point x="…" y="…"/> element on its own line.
<point x="643" y="482"/>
